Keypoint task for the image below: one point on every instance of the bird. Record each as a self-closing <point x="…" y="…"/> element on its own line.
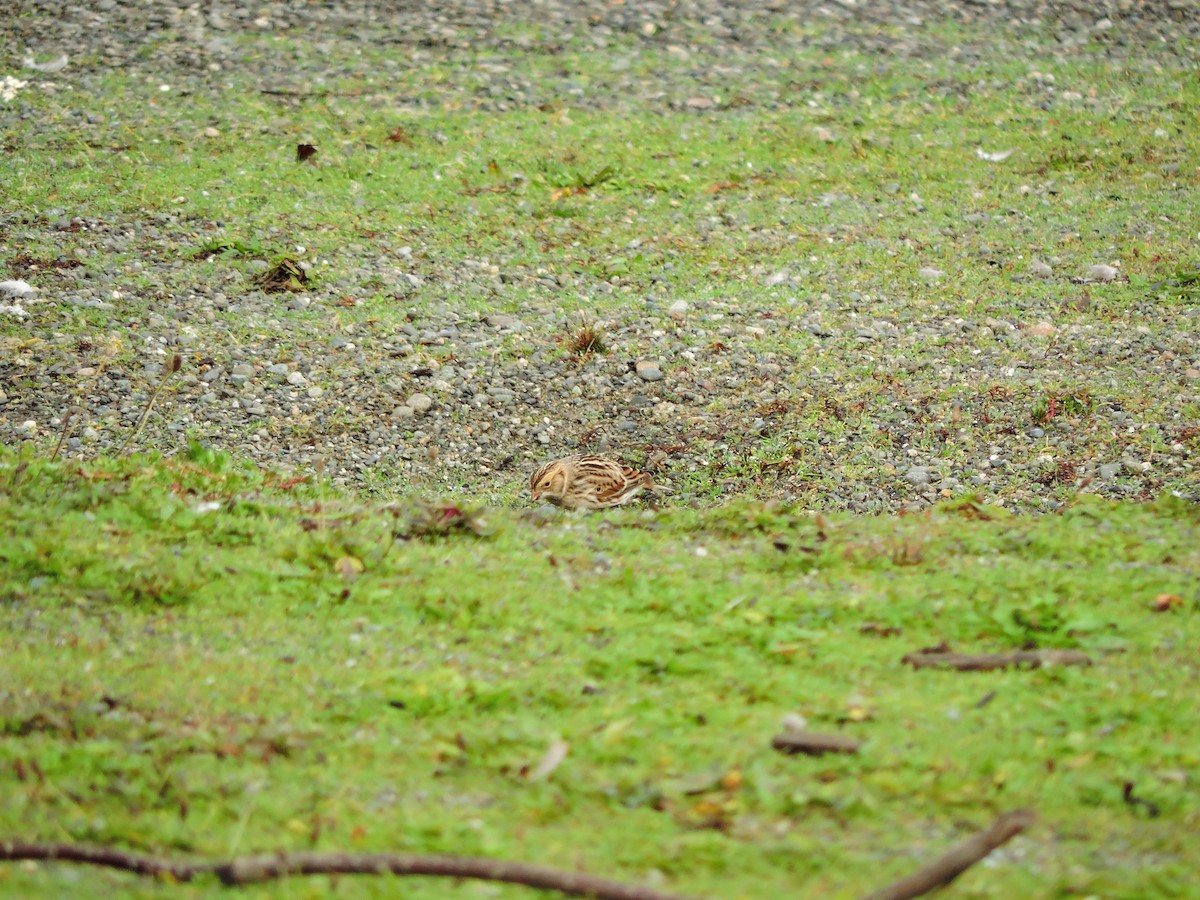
<point x="588" y="482"/>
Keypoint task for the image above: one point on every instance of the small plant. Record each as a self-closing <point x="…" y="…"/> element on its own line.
<point x="586" y="342"/>
<point x="1047" y="408"/>
<point x="1063" y="472"/>
<point x="169" y="370"/>
<point x="285" y="275"/>
<point x="226" y="249"/>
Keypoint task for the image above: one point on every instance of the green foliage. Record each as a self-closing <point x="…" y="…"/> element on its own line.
<point x="206" y="658"/>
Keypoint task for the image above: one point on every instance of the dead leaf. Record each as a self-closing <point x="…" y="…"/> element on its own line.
<point x="1166" y="602"/>
<point x="305" y="151"/>
<point x="400" y="135"/>
<point x="285" y="275"/>
<point x="551" y="760"/>
<point x="349" y="567"/>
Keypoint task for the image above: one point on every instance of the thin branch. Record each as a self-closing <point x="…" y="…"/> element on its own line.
<point x="945" y="869"/>
<point x="814" y="743"/>
<point x="67" y="426"/>
<point x="138" y="863"/>
<point x="255" y="869"/>
<point x="168" y="370"/>
<point x="284" y="92"/>
<point x="986" y="662"/>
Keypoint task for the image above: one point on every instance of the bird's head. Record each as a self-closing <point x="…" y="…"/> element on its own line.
<point x="549" y="482"/>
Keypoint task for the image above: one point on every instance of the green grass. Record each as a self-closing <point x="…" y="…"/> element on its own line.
<point x="203" y="657"/>
<point x="242" y="663"/>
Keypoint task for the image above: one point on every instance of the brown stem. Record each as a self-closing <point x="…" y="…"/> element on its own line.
<point x="67" y="425"/>
<point x="168" y="370"/>
<point x="813" y="743"/>
<point x="963" y="662"/>
<point x="138" y="863"/>
<point x="254" y="869"/>
<point x="946" y="868"/>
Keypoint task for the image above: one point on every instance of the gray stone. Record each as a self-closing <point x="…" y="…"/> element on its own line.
<point x="420" y="403"/>
<point x="917" y="476"/>
<point x="649" y="371"/>
<point x="1109" y="471"/>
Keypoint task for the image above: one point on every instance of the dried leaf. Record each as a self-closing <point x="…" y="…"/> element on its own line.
<point x="349" y="567"/>
<point x="551" y="760"/>
<point x="1166" y="602"/>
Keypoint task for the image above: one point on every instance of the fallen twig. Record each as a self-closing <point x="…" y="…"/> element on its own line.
<point x="813" y="743"/>
<point x="169" y="369"/>
<point x="255" y="869"/>
<point x="946" y="868"/>
<point x="986" y="662"/>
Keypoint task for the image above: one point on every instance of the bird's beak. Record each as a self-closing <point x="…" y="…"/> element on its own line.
<point x="537" y="495"/>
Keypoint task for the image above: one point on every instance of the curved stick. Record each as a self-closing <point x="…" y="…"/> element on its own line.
<point x="254" y="869"/>
<point x="957" y="860"/>
<point x="138" y="863"/>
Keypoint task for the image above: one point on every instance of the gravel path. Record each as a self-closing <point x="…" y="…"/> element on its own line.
<point x="462" y="401"/>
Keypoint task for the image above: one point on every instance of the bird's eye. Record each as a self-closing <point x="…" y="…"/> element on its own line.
<point x="545" y="483"/>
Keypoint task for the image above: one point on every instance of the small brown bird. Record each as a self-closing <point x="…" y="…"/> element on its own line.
<point x="588" y="482"/>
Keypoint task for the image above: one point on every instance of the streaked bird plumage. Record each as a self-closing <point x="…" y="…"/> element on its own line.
<point x="588" y="482"/>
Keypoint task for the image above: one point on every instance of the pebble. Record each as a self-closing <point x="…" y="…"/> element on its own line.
<point x="1040" y="329"/>
<point x="502" y="320"/>
<point x="1102" y="273"/>
<point x="649" y="371"/>
<point x="918" y="476"/>
<point x="781" y="362"/>
<point x="1109" y="471"/>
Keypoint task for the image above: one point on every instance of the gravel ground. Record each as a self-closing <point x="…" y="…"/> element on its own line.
<point x="373" y="408"/>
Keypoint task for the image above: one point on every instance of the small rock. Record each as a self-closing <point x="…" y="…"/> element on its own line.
<point x="678" y="308"/>
<point x="649" y="371"/>
<point x="403" y="412"/>
<point x="278" y="369"/>
<point x="501" y="320"/>
<point x="1040" y="269"/>
<point x="929" y="273"/>
<point x="15" y="290"/>
<point x="1109" y="471"/>
<point x="296" y="379"/>
<point x="1041" y="329"/>
<point x="917" y="476"/>
<point x="1102" y="272"/>
<point x="420" y="403"/>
